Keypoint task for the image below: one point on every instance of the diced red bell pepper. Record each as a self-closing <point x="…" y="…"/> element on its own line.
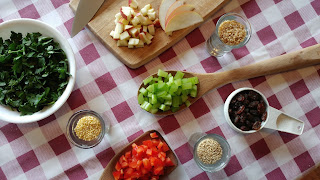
<point x="128" y="154"/>
<point x="116" y="175"/>
<point x="118" y="166"/>
<point x="169" y="162"/>
<point x="165" y="147"/>
<point x="158" y="170"/>
<point x="153" y="135"/>
<point x="146" y="163"/>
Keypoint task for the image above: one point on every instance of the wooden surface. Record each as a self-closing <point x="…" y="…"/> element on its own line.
<point x="107" y="173"/>
<point x="299" y="59"/>
<point x="103" y="22"/>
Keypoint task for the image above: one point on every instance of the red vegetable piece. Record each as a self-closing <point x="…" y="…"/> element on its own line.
<point x="116" y="175"/>
<point x="153" y="135"/>
<point x="169" y="162"/>
<point x="118" y="166"/>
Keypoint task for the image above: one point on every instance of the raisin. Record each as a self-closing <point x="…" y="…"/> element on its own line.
<point x="256" y="125"/>
<point x="254" y="112"/>
<point x="261" y="108"/>
<point x="240" y="97"/>
<point x="236" y="119"/>
<point x="253" y="104"/>
<point x="244" y="128"/>
<point x="241" y="109"/>
<point x="264" y="116"/>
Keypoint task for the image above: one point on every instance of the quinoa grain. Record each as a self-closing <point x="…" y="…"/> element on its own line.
<point x="231" y="32"/>
<point x="209" y="151"/>
<point x="88" y="128"/>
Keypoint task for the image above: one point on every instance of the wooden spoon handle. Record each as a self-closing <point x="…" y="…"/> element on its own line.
<point x="295" y="60"/>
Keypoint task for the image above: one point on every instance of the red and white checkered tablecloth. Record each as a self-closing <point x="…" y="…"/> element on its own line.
<point x="41" y="150"/>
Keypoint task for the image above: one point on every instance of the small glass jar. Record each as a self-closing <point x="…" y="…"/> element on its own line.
<point x="195" y="140"/>
<point x="72" y="123"/>
<point x="216" y="47"/>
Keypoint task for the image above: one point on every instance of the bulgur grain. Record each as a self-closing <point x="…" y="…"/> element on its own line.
<point x="209" y="151"/>
<point x="231" y="32"/>
<point x="88" y="128"/>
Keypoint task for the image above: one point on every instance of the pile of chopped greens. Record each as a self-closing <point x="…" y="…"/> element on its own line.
<point x="33" y="72"/>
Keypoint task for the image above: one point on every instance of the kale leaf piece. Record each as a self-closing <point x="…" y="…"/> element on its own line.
<point x="33" y="72"/>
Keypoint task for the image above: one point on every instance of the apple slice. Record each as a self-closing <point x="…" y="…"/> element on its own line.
<point x="163" y="9"/>
<point x="133" y="4"/>
<point x="140" y="44"/>
<point x="134" y="32"/>
<point x="182" y="20"/>
<point x="173" y="7"/>
<point x="133" y="41"/>
<point x="185" y="7"/>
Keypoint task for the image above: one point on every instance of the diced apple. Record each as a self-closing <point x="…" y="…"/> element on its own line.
<point x="127" y="27"/>
<point x="150" y="10"/>
<point x="145" y="28"/>
<point x="134" y="32"/>
<point x="126" y="13"/>
<point x="118" y="30"/>
<point x="185" y="7"/>
<point x="151" y="29"/>
<point x="122" y="43"/>
<point x="112" y="33"/>
<point x="144" y="38"/>
<point x="148" y="6"/>
<point x="173" y="7"/>
<point x="182" y="20"/>
<point x="130" y="46"/>
<point x="146" y="22"/>
<point x="149" y="36"/>
<point x="152" y="15"/>
<point x="117" y="16"/>
<point x="135" y="21"/>
<point x="125" y="35"/>
<point x="140" y="44"/>
<point x="164" y="6"/>
<point x="123" y="21"/>
<point x="133" y="41"/>
<point x="133" y="4"/>
<point x="156" y="23"/>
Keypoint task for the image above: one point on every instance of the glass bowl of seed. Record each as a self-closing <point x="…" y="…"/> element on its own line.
<point x="86" y="129"/>
<point x="211" y="152"/>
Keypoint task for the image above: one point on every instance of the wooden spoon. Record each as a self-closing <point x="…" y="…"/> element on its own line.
<point x="295" y="60"/>
<point x="107" y="173"/>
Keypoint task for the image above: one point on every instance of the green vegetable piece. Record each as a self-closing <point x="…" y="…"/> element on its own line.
<point x="162" y="73"/>
<point x="188" y="103"/>
<point x="153" y="99"/>
<point x="194" y="80"/>
<point x="150" y="88"/>
<point x="147" y="80"/>
<point x="140" y="98"/>
<point x="175" y="109"/>
<point x="184" y="98"/>
<point x="143" y="91"/>
<point x="154" y="110"/>
<point x="193" y="93"/>
<point x="179" y="75"/>
<point x="162" y="93"/>
<point x="176" y="101"/>
<point x="164" y="107"/>
<point x="178" y="82"/>
<point x="168" y="102"/>
<point x="173" y="89"/>
<point x="186" y="86"/>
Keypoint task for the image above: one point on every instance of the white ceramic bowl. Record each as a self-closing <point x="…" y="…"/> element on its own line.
<point x="226" y="108"/>
<point x="25" y="26"/>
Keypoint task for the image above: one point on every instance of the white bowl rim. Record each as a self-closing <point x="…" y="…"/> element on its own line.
<point x="47" y="111"/>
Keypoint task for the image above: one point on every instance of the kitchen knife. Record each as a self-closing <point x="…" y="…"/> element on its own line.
<point x="85" y="11"/>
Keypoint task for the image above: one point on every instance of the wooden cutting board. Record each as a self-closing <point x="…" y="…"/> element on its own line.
<point x="103" y="22"/>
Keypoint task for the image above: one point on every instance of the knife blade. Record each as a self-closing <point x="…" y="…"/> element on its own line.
<point x="85" y="11"/>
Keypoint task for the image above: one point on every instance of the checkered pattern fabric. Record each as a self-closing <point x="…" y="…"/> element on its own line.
<point x="41" y="150"/>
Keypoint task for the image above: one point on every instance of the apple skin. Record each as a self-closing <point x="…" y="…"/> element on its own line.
<point x="185" y="7"/>
<point x="164" y="6"/>
<point x="183" y="20"/>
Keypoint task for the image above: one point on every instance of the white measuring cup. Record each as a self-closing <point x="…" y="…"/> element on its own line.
<point x="276" y="119"/>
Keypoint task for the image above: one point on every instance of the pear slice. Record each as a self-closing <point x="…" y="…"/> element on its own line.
<point x="173" y="7"/>
<point x="185" y="7"/>
<point x="163" y="9"/>
<point x="182" y="20"/>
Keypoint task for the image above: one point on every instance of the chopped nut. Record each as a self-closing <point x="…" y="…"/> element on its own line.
<point x="209" y="151"/>
<point x="231" y="32"/>
<point x="88" y="128"/>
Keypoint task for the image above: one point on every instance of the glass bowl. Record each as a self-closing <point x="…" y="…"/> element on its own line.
<point x="72" y="123"/>
<point x="218" y="165"/>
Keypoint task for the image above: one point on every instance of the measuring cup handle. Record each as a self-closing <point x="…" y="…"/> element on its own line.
<point x="280" y="121"/>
